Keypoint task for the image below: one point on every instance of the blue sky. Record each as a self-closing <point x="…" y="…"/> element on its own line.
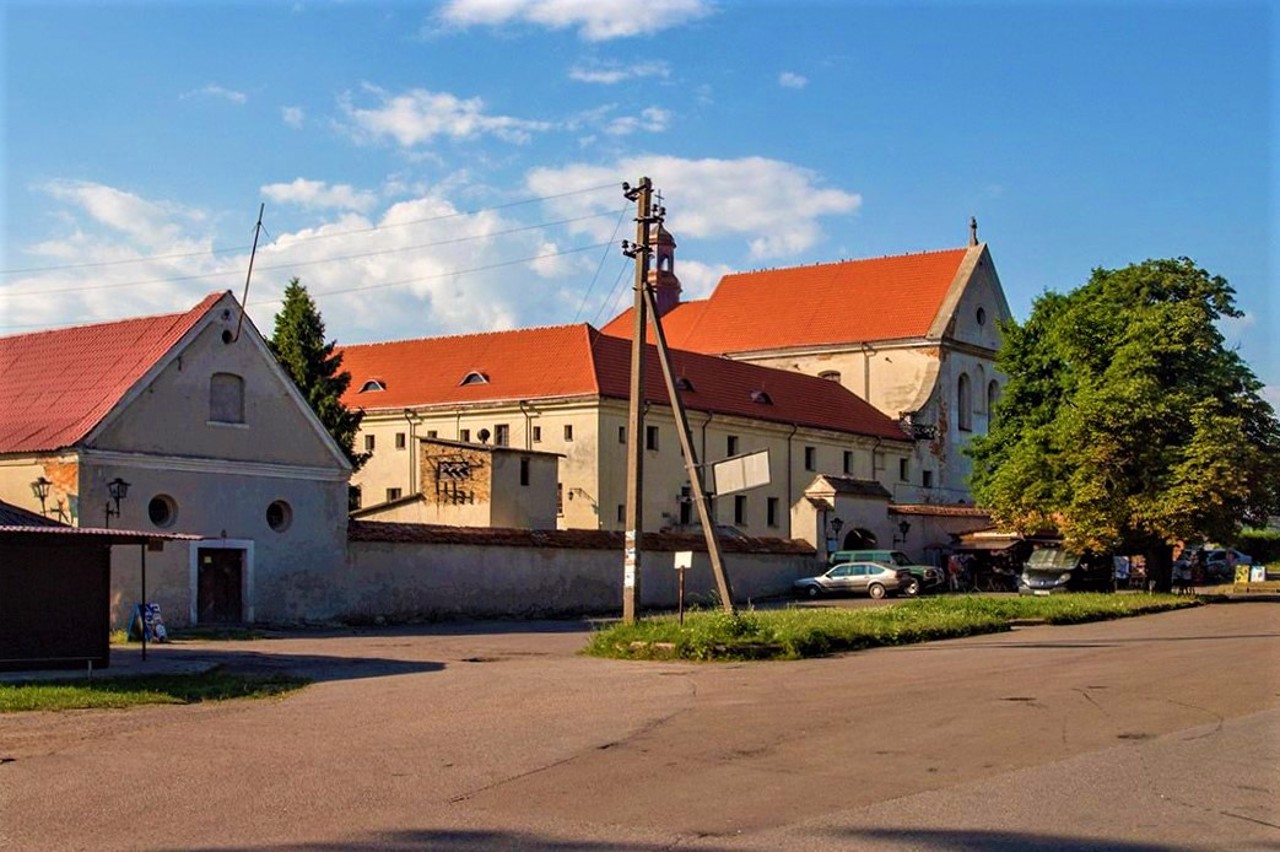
<point x="456" y="167"/>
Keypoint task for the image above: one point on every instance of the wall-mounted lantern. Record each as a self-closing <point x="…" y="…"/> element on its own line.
<point x="118" y="489"/>
<point x="40" y="488"/>
<point x="904" y="527"/>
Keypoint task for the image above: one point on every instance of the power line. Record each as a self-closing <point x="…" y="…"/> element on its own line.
<point x="359" y="288"/>
<point x="385" y="284"/>
<point x="299" y="240"/>
<point x="294" y="264"/>
<point x="604" y="255"/>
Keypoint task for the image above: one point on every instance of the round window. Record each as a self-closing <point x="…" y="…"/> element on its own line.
<point x="982" y="316"/>
<point x="279" y="516"/>
<point x="162" y="510"/>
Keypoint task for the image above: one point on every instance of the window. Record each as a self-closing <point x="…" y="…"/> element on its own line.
<point x="622" y="434"/>
<point x="683" y="384"/>
<point x="651" y="437"/>
<point x="993" y="396"/>
<point x="369" y="441"/>
<point x="559" y="499"/>
<point x="279" y="516"/>
<point x="524" y="471"/>
<point x="740" y="509"/>
<point x="964" y="403"/>
<point x="761" y="397"/>
<point x="810" y="458"/>
<point x="771" y="511"/>
<point x="982" y="316"/>
<point x="162" y="510"/>
<point x="355" y="497"/>
<point x="568" y="431"/>
<point x="622" y="513"/>
<point x="475" y="377"/>
<point x="400" y="441"/>
<point x="372" y="385"/>
<point x="926" y="478"/>
<point x="686" y="505"/>
<point x="464" y="435"/>
<point x="432" y="433"/>
<point x="393" y="494"/>
<point x="731" y="445"/>
<point x="830" y="375"/>
<point x="848" y="461"/>
<point x="537" y="434"/>
<point x="903" y="471"/>
<point x="226" y="398"/>
<point x="502" y="435"/>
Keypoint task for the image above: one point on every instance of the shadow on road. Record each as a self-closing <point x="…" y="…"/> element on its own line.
<point x="977" y="840"/>
<point x="939" y="839"/>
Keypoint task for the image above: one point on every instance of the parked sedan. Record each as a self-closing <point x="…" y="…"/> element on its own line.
<point x="868" y="578"/>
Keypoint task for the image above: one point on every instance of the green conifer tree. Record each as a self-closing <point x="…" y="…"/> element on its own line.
<point x="298" y="343"/>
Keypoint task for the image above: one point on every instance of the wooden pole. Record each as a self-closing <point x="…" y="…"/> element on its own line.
<point x="690" y="459"/>
<point x="634" y="530"/>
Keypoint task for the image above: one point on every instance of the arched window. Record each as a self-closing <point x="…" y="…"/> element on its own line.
<point x="226" y="398"/>
<point x="993" y="396"/>
<point x="830" y="375"/>
<point x="964" y="403"/>
<point x="980" y="382"/>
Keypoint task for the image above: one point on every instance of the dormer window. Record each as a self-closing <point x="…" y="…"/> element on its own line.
<point x="830" y="375"/>
<point x="373" y="385"/>
<point x="475" y="377"/>
<point x="684" y="384"/>
<point x="761" y="397"/>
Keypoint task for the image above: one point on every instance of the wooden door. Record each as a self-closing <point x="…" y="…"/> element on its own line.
<point x="219" y="579"/>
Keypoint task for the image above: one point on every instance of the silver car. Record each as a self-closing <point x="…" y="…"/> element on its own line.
<point x="869" y="578"/>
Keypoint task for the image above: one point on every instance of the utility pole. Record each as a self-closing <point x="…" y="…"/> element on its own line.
<point x="643" y="196"/>
<point x="690" y="457"/>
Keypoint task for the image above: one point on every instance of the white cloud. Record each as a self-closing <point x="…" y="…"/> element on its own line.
<point x="652" y="120"/>
<point x="775" y="206"/>
<point x="791" y="80"/>
<point x="292" y="116"/>
<point x="419" y="116"/>
<point x="149" y="223"/>
<point x="594" y="20"/>
<point x="213" y="90"/>
<point x="315" y="194"/>
<point x="612" y="73"/>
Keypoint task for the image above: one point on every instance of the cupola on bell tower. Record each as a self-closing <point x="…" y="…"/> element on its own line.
<point x="662" y="276"/>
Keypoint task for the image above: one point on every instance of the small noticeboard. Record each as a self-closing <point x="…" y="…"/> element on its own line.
<point x="684" y="560"/>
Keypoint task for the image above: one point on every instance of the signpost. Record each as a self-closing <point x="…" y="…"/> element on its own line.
<point x="684" y="561"/>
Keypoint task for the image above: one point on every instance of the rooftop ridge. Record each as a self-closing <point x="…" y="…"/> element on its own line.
<point x="471" y="335"/>
<point x="844" y="261"/>
<point x="204" y="303"/>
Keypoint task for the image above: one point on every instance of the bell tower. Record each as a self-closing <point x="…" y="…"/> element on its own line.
<point x="662" y="277"/>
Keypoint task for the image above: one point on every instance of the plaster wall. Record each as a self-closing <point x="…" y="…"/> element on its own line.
<point x="593" y="467"/>
<point x="437" y="581"/>
<point x="171" y="414"/>
<point x="63" y="472"/>
<point x="294" y="569"/>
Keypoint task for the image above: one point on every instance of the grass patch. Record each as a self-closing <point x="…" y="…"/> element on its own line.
<point x="118" y="692"/>
<point x="798" y="632"/>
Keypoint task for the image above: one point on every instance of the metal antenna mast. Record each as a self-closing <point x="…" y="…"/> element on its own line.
<point x="257" y="229"/>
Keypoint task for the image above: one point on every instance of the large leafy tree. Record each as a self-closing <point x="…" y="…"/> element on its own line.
<point x="298" y="343"/>
<point x="1126" y="423"/>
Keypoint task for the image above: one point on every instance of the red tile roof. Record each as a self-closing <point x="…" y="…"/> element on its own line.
<point x="883" y="298"/>
<point x="56" y="386"/>
<point x="579" y="361"/>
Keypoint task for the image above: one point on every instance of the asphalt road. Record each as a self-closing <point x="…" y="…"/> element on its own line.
<point x="1153" y="733"/>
